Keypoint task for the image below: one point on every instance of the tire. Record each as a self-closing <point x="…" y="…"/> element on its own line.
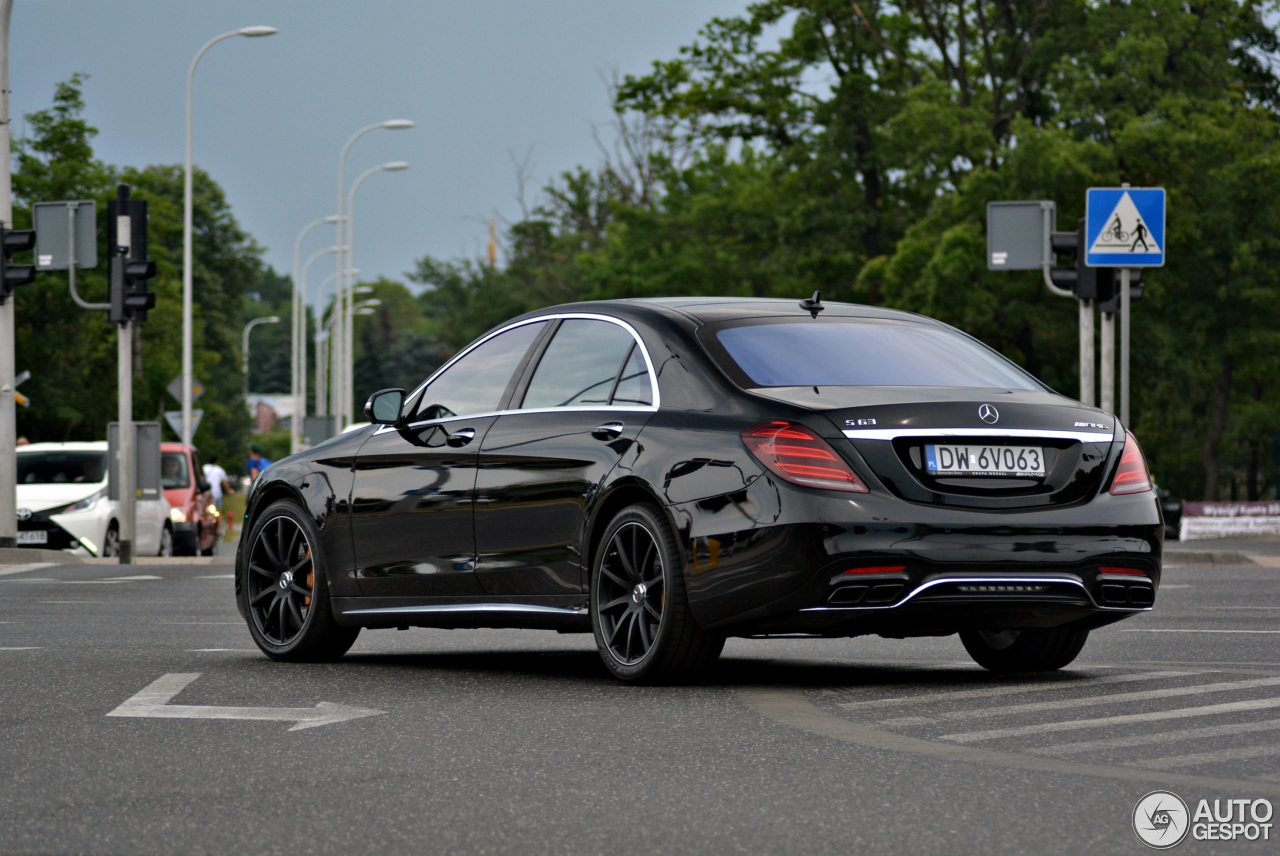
<point x="111" y="543"/>
<point x="285" y="588"/>
<point x="1034" y="649"/>
<point x="640" y="613"/>
<point x="166" y="541"/>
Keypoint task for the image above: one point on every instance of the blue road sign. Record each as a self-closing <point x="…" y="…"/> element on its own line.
<point x="1124" y="227"/>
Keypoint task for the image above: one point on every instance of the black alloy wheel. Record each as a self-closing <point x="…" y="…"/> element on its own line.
<point x="166" y="541"/>
<point x="286" y="599"/>
<point x="1032" y="649"/>
<point x="639" y="610"/>
<point x="111" y="544"/>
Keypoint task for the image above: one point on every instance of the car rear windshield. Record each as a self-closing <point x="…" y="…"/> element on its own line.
<point x="861" y="352"/>
<point x="60" y="467"/>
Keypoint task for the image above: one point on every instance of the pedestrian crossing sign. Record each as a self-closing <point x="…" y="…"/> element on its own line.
<point x="1124" y="227"/>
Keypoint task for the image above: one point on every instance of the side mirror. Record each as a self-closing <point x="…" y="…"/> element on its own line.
<point x="384" y="406"/>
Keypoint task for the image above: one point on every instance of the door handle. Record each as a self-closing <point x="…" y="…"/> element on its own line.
<point x="608" y="431"/>
<point x="461" y="437"/>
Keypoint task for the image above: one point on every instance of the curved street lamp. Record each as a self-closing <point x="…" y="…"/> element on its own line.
<point x="347" y="373"/>
<point x="249" y="32"/>
<point x="343" y="264"/>
<point x="298" y="359"/>
<point x="244" y="343"/>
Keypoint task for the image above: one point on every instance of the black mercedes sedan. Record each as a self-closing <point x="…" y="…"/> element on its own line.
<point x="667" y="473"/>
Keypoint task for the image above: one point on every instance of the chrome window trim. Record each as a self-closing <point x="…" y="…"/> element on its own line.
<point x="473" y="608"/>
<point x="560" y="316"/>
<point x="895" y="433"/>
<point x="939" y="581"/>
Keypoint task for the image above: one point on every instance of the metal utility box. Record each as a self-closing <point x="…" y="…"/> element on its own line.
<point x="146" y="449"/>
<point x="1018" y="234"/>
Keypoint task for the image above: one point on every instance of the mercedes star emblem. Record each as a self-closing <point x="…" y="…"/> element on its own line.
<point x="988" y="414"/>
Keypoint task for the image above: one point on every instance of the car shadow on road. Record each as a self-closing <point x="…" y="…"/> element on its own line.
<point x="730" y="672"/>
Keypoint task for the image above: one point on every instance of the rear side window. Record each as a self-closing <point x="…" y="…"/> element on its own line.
<point x="861" y="353"/>
<point x="581" y="366"/>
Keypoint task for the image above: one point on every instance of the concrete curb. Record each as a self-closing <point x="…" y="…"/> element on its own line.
<point x="1207" y="557"/>
<point x="33" y="556"/>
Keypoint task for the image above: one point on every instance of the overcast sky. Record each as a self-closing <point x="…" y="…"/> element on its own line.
<point x="485" y="80"/>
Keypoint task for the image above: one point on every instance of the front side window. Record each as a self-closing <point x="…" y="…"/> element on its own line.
<point x="580" y="366"/>
<point x="476" y="382"/>
<point x="862" y="352"/>
<point x="173" y="470"/>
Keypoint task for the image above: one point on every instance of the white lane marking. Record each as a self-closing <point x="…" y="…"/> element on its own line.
<point x="1110" y="698"/>
<point x="152" y="702"/>
<point x="74" y="602"/>
<point x="24" y="569"/>
<point x="1106" y="721"/>
<point x="1007" y="689"/>
<point x="108" y="581"/>
<point x="217" y="577"/>
<point x="194" y="623"/>
<point x="1161" y="737"/>
<point x="27" y="648"/>
<point x="1164" y="586"/>
<point x="222" y="650"/>
<point x="1241" y="753"/>
<point x="1172" y="630"/>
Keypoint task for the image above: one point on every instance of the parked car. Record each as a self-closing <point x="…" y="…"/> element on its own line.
<point x="62" y="503"/>
<point x="667" y="473"/>
<point x="193" y="514"/>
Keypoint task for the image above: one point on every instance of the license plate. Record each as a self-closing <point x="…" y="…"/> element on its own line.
<point x="33" y="536"/>
<point x="965" y="460"/>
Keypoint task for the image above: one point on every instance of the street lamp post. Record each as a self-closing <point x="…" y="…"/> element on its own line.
<point x="343" y="264"/>
<point x="250" y="32"/>
<point x="298" y="360"/>
<point x="300" y="331"/>
<point x="348" y="328"/>
<point x="244" y="342"/>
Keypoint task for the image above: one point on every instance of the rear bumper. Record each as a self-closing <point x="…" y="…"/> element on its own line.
<point x="936" y="570"/>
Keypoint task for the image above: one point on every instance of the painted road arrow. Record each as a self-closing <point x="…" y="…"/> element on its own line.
<point x="153" y="703"/>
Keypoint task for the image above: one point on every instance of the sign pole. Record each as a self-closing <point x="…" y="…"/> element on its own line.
<point x="1125" y="299"/>
<point x="1108" y="394"/>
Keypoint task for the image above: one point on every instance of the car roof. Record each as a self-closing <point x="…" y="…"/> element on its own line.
<point x="710" y="310"/>
<point x="93" y="446"/>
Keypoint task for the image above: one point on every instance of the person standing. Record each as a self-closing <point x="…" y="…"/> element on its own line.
<point x="219" y="487"/>
<point x="219" y="481"/>
<point x="256" y="463"/>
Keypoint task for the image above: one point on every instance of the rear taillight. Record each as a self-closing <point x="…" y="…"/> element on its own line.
<point x="1132" y="476"/>
<point x="796" y="454"/>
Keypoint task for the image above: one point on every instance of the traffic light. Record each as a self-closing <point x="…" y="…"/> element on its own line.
<point x="1079" y="279"/>
<point x="1109" y="290"/>
<point x="12" y="275"/>
<point x="130" y="267"/>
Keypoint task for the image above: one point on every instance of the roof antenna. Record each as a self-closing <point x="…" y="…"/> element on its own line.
<point x="813" y="305"/>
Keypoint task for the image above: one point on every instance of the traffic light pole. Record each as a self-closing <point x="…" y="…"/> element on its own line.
<point x="1087" y="370"/>
<point x="124" y="446"/>
<point x="8" y="363"/>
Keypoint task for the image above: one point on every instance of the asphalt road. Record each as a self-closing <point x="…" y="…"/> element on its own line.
<point x="136" y="717"/>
